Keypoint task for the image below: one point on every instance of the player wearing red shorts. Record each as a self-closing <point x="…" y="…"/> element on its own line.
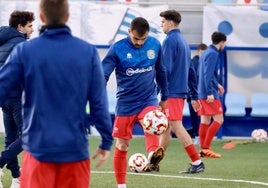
<point x="58" y="73"/>
<point x="177" y="58"/>
<point x="140" y="73"/>
<point x="211" y="111"/>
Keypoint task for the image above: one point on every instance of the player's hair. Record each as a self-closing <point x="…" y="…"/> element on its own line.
<point x="172" y="15"/>
<point x="55" y="11"/>
<point x="140" y="25"/>
<point x="218" y="37"/>
<point x="20" y="17"/>
<point x="202" y="46"/>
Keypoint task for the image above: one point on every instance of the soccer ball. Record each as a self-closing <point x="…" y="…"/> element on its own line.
<point x="155" y="122"/>
<point x="259" y="135"/>
<point x="137" y="162"/>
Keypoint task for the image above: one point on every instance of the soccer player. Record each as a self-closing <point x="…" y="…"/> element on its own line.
<point x="193" y="94"/>
<point x="211" y="112"/>
<point x="137" y="60"/>
<point x="19" y="30"/>
<point x="177" y="59"/>
<point x="59" y="73"/>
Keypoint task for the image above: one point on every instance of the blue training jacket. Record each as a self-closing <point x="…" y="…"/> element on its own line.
<point x="59" y="74"/>
<point x="136" y="71"/>
<point x="193" y="79"/>
<point x="9" y="38"/>
<point x="177" y="56"/>
<point x="207" y="79"/>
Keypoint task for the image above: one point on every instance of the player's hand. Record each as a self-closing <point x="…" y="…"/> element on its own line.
<point x="103" y="156"/>
<point x="196" y="105"/>
<point x="210" y="98"/>
<point x="221" y="89"/>
<point x="163" y="105"/>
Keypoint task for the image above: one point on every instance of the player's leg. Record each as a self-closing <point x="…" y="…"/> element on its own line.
<point x="203" y="127"/>
<point x="211" y="133"/>
<point x="151" y="142"/>
<point x="186" y="140"/>
<point x="175" y="107"/>
<point x="122" y="131"/>
<point x="211" y="109"/>
<point x="195" y="121"/>
<point x="192" y="113"/>
<point x="15" y="148"/>
<point x="12" y="121"/>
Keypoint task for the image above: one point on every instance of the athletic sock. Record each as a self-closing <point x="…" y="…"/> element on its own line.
<point x="120" y="166"/>
<point x="151" y="142"/>
<point x="202" y="133"/>
<point x="192" y="153"/>
<point x="211" y="132"/>
<point x="121" y="186"/>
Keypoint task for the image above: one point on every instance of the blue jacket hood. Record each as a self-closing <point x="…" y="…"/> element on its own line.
<point x="9" y="38"/>
<point x="8" y="33"/>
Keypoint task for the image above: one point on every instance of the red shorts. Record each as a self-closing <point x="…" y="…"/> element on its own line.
<point x="210" y="109"/>
<point x="123" y="125"/>
<point x="174" y="109"/>
<point x="47" y="174"/>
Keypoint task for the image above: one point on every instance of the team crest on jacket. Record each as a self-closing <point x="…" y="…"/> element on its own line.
<point x="150" y="54"/>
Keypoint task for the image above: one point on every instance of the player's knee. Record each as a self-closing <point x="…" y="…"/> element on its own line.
<point x="122" y="146"/>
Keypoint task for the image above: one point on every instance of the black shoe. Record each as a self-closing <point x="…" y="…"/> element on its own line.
<point x="149" y="168"/>
<point x="157" y="156"/>
<point x="194" y="169"/>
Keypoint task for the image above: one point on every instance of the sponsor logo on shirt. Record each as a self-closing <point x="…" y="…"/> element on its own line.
<point x="131" y="71"/>
<point x="150" y="54"/>
<point x="129" y="55"/>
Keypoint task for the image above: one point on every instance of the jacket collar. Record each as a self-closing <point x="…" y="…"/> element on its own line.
<point x="55" y="26"/>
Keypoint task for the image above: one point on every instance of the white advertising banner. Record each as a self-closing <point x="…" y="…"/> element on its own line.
<point x="244" y="26"/>
<point x="94" y="22"/>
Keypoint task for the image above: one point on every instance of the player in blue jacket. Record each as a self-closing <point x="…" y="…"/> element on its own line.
<point x="59" y="73"/>
<point x="137" y="60"/>
<point x="209" y="89"/>
<point x="192" y="92"/>
<point x="19" y="30"/>
<point x="177" y="58"/>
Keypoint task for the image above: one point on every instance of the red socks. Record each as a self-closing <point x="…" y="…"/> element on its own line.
<point x="151" y="142"/>
<point x="202" y="133"/>
<point x="192" y="153"/>
<point x="211" y="132"/>
<point x="120" y="166"/>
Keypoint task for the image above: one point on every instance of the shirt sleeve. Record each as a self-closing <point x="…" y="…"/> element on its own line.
<point x="11" y="73"/>
<point x="161" y="76"/>
<point x="109" y="63"/>
<point x="99" y="105"/>
<point x="210" y="66"/>
<point x="192" y="82"/>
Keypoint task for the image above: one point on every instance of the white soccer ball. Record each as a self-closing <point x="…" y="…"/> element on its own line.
<point x="259" y="135"/>
<point x="137" y="162"/>
<point x="155" y="122"/>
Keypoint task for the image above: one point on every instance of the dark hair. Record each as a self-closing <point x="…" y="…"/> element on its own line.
<point x="218" y="37"/>
<point x="202" y="46"/>
<point x="140" y="25"/>
<point x="55" y="11"/>
<point x="20" y="17"/>
<point x="172" y="15"/>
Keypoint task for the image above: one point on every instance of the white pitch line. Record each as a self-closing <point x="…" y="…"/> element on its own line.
<point x="187" y="177"/>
